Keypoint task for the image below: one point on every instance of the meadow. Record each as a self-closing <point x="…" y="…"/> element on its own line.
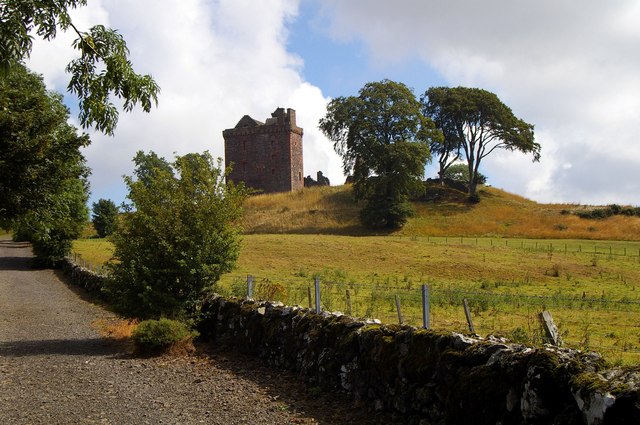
<point x="589" y="285"/>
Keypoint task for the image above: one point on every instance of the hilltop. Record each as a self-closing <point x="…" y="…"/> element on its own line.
<point x="331" y="210"/>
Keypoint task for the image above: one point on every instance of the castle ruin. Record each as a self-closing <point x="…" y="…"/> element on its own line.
<point x="266" y="156"/>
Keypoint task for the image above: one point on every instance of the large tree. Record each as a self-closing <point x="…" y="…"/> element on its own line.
<point x="478" y="123"/>
<point x="101" y="71"/>
<point x="43" y="187"/>
<point x="39" y="150"/>
<point x="178" y="236"/>
<point x="383" y="139"/>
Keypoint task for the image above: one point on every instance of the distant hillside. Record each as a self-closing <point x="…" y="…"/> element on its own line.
<point x="444" y="212"/>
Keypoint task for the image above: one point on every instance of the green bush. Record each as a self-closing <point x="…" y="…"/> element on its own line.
<point x="178" y="236"/>
<point x="608" y="211"/>
<point x="159" y="335"/>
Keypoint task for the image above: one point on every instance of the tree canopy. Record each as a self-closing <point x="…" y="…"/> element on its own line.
<point x="460" y="173"/>
<point x="177" y="237"/>
<point x="101" y="71"/>
<point x="477" y="122"/>
<point x="39" y="150"/>
<point x="382" y="137"/>
<point x="104" y="217"/>
<point x="43" y="184"/>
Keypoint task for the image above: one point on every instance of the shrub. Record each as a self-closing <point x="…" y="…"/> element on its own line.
<point x="154" y="336"/>
<point x="609" y="211"/>
<point x="178" y="237"/>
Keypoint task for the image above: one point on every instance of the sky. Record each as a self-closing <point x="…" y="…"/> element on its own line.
<point x="569" y="67"/>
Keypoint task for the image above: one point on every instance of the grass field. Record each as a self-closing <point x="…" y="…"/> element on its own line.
<point x="508" y="256"/>
<point x="590" y="289"/>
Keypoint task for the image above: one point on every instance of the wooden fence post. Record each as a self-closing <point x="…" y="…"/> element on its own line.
<point x="425" y="307"/>
<point x="348" y="299"/>
<point x="467" y="313"/>
<point x="249" y="287"/>
<point x="400" y="320"/>
<point x="550" y="329"/>
<point x="316" y="284"/>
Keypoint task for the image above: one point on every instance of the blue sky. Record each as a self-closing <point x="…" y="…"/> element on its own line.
<point x="569" y="68"/>
<point x="342" y="67"/>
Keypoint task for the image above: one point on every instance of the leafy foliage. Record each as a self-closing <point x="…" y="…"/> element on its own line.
<point x="42" y="172"/>
<point x="156" y="335"/>
<point x="460" y="173"/>
<point x="178" y="236"/>
<point x="477" y="122"/>
<point x="382" y="137"/>
<point x="609" y="211"/>
<point x="102" y="70"/>
<point x="105" y="217"/>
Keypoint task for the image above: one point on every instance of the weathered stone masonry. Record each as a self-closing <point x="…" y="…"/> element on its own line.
<point x="428" y="377"/>
<point x="266" y="156"/>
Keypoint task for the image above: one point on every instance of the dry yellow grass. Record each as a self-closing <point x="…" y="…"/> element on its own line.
<point x="332" y="210"/>
<point x="115" y="328"/>
<point x="326" y="210"/>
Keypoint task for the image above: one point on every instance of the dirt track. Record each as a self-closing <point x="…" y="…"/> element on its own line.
<point x="56" y="369"/>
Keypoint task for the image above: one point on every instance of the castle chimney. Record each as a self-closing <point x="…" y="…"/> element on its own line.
<point x="291" y="117"/>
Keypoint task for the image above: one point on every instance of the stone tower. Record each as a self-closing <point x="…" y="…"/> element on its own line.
<point x="266" y="156"/>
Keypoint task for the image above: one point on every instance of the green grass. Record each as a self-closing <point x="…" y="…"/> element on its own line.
<point x="507" y="281"/>
<point x="94" y="251"/>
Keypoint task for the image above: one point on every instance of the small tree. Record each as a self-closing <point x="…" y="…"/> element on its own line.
<point x="105" y="217"/>
<point x="460" y="173"/>
<point x="178" y="236"/>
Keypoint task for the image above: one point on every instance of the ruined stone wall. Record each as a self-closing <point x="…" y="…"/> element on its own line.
<point x="424" y="376"/>
<point x="266" y="156"/>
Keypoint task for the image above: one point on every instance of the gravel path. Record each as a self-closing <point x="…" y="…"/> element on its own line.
<point x="56" y="369"/>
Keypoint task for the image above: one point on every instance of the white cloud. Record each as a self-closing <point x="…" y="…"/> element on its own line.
<point x="214" y="61"/>
<point x="569" y="68"/>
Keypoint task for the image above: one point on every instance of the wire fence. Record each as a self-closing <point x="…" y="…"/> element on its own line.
<point x="611" y="248"/>
<point x="611" y="327"/>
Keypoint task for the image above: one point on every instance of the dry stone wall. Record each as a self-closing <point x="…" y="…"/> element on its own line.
<point x="425" y="377"/>
<point x="428" y="377"/>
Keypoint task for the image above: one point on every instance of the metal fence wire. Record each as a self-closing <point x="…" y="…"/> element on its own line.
<point x="611" y="327"/>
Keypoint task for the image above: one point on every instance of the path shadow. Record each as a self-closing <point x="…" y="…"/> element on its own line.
<point x="70" y="347"/>
<point x="15" y="263"/>
<point x="326" y="407"/>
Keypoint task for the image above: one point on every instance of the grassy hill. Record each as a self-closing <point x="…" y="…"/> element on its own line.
<point x="332" y="210"/>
